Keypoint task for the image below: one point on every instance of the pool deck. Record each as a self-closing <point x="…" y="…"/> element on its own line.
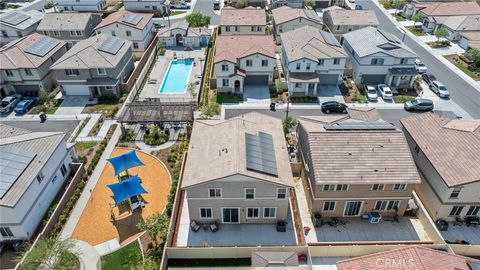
<point x="155" y="78"/>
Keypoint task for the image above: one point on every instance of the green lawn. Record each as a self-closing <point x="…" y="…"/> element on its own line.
<point x="223" y="98"/>
<point x="416" y="31"/>
<point x="399" y="18"/>
<point x="125" y="258"/>
<point x="467" y="71"/>
<point x="48" y="108"/>
<point x="105" y="107"/>
<point x="402" y="99"/>
<point x="177" y="12"/>
<point x="360" y="97"/>
<point x="85" y="145"/>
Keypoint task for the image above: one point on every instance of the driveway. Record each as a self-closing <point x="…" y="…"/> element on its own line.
<point x="329" y="93"/>
<point x="256" y="94"/>
<point x="72" y="105"/>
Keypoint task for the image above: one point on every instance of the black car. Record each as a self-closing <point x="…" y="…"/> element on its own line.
<point x="428" y="78"/>
<point x="334" y="106"/>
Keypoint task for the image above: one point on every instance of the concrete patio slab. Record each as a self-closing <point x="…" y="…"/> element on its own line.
<point x="256" y="94"/>
<point x="464" y="232"/>
<point x="72" y="105"/>
<point x="326" y="263"/>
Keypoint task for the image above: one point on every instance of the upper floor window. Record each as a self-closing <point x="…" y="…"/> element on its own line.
<point x="39" y="177"/>
<point x="128" y="33"/>
<point x="321" y="62"/>
<point x="215" y="192"/>
<point x="28" y="71"/>
<point x="101" y="71"/>
<point x="4" y="33"/>
<point x="72" y="72"/>
<point x="253" y="212"/>
<point x="227" y="28"/>
<point x="6" y="232"/>
<point x="403" y="61"/>
<point x="339" y="187"/>
<point x="342" y="187"/>
<point x="280" y="28"/>
<point x="75" y="33"/>
<point x="249" y="63"/>
<point x="249" y="194"/>
<point x="281" y="193"/>
<point x="135" y="45"/>
<point x="377" y="61"/>
<point x="264" y="63"/>
<point x="256" y="28"/>
<point x="224" y="67"/>
<point x="298" y="66"/>
<point x="336" y="61"/>
<point x="399" y="187"/>
<point x="378" y="187"/>
<point x="237" y="28"/>
<point x="339" y="27"/>
<point x="9" y="73"/>
<point x="350" y="28"/>
<point x="63" y="170"/>
<point x="455" y="192"/>
<point x="56" y="33"/>
<point x="19" y="34"/>
<point x="298" y="85"/>
<point x="113" y="33"/>
<point x="329" y="206"/>
<point x="308" y="66"/>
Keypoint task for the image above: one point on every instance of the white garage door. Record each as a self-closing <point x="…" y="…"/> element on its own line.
<point x="76" y="90"/>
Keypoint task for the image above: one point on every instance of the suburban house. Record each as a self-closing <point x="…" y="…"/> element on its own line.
<point x="182" y="35"/>
<point x="355" y="164"/>
<point x="26" y="62"/>
<point x="469" y="40"/>
<point x="249" y="3"/>
<point x="447" y="153"/>
<point x="237" y="171"/>
<point x="17" y="24"/>
<point x="135" y="27"/>
<point x="287" y="19"/>
<point x="413" y="257"/>
<point x="291" y="3"/>
<point x="81" y="5"/>
<point x="457" y="25"/>
<point x="378" y="57"/>
<point x="341" y="21"/>
<point x="95" y="66"/>
<point x="34" y="167"/>
<point x="69" y="27"/>
<point x="242" y="62"/>
<point x="311" y="59"/>
<point x="244" y="21"/>
<point x="159" y="7"/>
<point x="435" y="14"/>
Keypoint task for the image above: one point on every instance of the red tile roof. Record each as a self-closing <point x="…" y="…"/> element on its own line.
<point x="452" y="9"/>
<point x="118" y="16"/>
<point x="231" y="48"/>
<point x="416" y="257"/>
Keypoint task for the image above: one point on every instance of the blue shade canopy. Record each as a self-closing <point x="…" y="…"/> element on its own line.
<point x="125" y="162"/>
<point x="126" y="189"/>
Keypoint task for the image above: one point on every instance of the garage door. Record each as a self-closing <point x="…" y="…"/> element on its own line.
<point x="256" y="80"/>
<point x="329" y="79"/>
<point x="24" y="89"/>
<point x="373" y="79"/>
<point x="76" y="90"/>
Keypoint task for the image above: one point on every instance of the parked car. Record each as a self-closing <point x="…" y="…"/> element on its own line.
<point x="8" y="103"/>
<point x="25" y="105"/>
<point x="358" y="7"/>
<point x="370" y="92"/>
<point x="439" y="89"/>
<point x="180" y="5"/>
<point x="428" y="78"/>
<point x="385" y="91"/>
<point x="158" y="25"/>
<point x="334" y="106"/>
<point x="216" y="5"/>
<point x="420" y="104"/>
<point x="420" y="66"/>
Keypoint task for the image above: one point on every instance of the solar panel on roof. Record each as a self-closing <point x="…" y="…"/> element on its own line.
<point x="329" y="38"/>
<point x="360" y="126"/>
<point x="260" y="153"/>
<point x="13" y="162"/>
<point x="14" y="18"/>
<point x="132" y="18"/>
<point x="42" y="46"/>
<point x="111" y="45"/>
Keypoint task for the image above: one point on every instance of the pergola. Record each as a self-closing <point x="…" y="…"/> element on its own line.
<point x="158" y="111"/>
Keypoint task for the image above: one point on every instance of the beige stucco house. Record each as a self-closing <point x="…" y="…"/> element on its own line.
<point x="179" y="34"/>
<point x="244" y="21"/>
<point x="341" y="21"/>
<point x="355" y="164"/>
<point x="237" y="171"/>
<point x="286" y="19"/>
<point x="447" y="153"/>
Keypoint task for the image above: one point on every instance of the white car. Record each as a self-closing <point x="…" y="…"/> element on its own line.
<point x="180" y="5"/>
<point x="370" y="92"/>
<point x="420" y="66"/>
<point x="385" y="91"/>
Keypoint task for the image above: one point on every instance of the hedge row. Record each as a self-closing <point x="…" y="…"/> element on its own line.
<point x="175" y="161"/>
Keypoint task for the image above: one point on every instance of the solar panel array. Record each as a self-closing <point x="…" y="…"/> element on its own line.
<point x="14" y="18"/>
<point x="261" y="153"/>
<point x="111" y="45"/>
<point x="329" y="38"/>
<point x="132" y="18"/>
<point x="360" y="126"/>
<point x="13" y="161"/>
<point x="42" y="46"/>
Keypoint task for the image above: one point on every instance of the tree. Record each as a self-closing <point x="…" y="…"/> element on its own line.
<point x="399" y="4"/>
<point x="441" y="32"/>
<point x="42" y="97"/>
<point x="288" y="123"/>
<point x="197" y="19"/>
<point x="417" y="18"/>
<point x="239" y="4"/>
<point x="156" y="227"/>
<point x="310" y="3"/>
<point x="148" y="264"/>
<point x="474" y="55"/>
<point x="191" y="89"/>
<point x="49" y="253"/>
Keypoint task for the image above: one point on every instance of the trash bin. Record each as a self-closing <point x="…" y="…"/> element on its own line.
<point x="272" y="106"/>
<point x="43" y="117"/>
<point x="317" y="220"/>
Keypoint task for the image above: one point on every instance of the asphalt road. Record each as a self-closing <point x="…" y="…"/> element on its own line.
<point x="461" y="92"/>
<point x="203" y="6"/>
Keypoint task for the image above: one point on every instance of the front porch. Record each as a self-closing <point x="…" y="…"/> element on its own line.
<point x="303" y="84"/>
<point x="401" y="78"/>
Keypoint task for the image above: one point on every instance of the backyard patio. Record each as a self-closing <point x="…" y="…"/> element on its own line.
<point x="470" y="234"/>
<point x="95" y="225"/>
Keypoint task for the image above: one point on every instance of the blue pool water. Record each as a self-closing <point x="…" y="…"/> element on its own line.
<point x="176" y="78"/>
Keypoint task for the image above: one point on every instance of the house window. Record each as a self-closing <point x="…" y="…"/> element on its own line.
<point x="342" y="187"/>
<point x="54" y="178"/>
<point x="403" y="61"/>
<point x="75" y="33"/>
<point x="28" y="71"/>
<point x="249" y="194"/>
<point x="227" y="28"/>
<point x="350" y="28"/>
<point x="328" y="187"/>
<point x="224" y="67"/>
<point x="154" y="7"/>
<point x="308" y="66"/>
<point x="101" y="71"/>
<point x="281" y="193"/>
<point x="298" y="66"/>
<point x="6" y="232"/>
<point x="378" y="187"/>
<point x="456" y="211"/>
<point x="19" y="34"/>
<point x="128" y="33"/>
<point x="336" y="61"/>
<point x="321" y="62"/>
<point x="298" y="85"/>
<point x="417" y="149"/>
<point x="270" y="212"/>
<point x="56" y="33"/>
<point x="214" y="192"/>
<point x="113" y="33"/>
<point x="399" y="187"/>
<point x="205" y="212"/>
<point x="264" y="63"/>
<point x="377" y="62"/>
<point x="225" y="82"/>
<point x="387" y="205"/>
<point x="256" y="28"/>
<point x="280" y="29"/>
<point x="339" y="27"/>
<point x="249" y="63"/>
<point x="40" y="177"/>
<point x="135" y="45"/>
<point x="237" y="28"/>
<point x="4" y="33"/>
<point x="63" y="170"/>
<point x="473" y="210"/>
<point x="9" y="73"/>
<point x="329" y="206"/>
<point x="455" y="193"/>
<point x="71" y="72"/>
<point x="253" y="212"/>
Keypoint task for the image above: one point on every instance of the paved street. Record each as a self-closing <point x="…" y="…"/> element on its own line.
<point x="461" y="92"/>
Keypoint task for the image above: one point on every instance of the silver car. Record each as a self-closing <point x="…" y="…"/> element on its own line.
<point x="370" y="92"/>
<point x="421" y="104"/>
<point x="8" y="103"/>
<point x="439" y="89"/>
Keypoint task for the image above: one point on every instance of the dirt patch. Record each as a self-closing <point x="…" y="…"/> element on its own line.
<point x="350" y="92"/>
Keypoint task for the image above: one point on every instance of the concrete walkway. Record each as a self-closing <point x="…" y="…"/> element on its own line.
<point x="311" y="237"/>
<point x="88" y="256"/>
<point x="89" y="125"/>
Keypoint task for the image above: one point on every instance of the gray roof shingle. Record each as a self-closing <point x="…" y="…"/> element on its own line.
<point x="66" y="21"/>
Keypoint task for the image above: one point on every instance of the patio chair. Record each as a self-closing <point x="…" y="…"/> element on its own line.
<point x="194" y="226"/>
<point x="135" y="203"/>
<point x="214" y="226"/>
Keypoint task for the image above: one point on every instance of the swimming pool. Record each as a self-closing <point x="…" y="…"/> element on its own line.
<point x="176" y="78"/>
